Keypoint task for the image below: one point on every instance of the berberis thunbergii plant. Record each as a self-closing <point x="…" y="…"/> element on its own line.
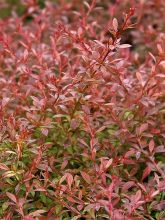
<point x="82" y="105"/>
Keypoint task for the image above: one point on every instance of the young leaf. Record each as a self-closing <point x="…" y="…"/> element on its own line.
<point x="86" y="177"/>
<point x="12" y="197"/>
<point x="115" y="24"/>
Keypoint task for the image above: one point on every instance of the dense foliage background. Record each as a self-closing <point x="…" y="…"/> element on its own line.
<point x="82" y="109"/>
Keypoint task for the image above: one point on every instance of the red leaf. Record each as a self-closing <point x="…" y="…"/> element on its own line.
<point x="137" y="196"/>
<point x="109" y="162"/>
<point x="64" y="164"/>
<point x="63" y="178"/>
<point x="146" y="172"/>
<point x="143" y="128"/>
<point x="3" y="167"/>
<point x="12" y="197"/>
<point x="70" y="199"/>
<point x="115" y="24"/>
<point x="25" y="54"/>
<point x="151" y="145"/>
<point x="75" y="210"/>
<point x="127" y="185"/>
<point x="5" y="101"/>
<point x="122" y="46"/>
<point x="160" y="206"/>
<point x="140" y="79"/>
<point x="37" y="213"/>
<point x="69" y="180"/>
<point x="142" y="187"/>
<point x="76" y="217"/>
<point x="28" y="217"/>
<point x="45" y="131"/>
<point x="153" y="57"/>
<point x="86" y="177"/>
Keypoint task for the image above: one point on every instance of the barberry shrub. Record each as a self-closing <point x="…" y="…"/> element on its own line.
<point x="82" y="108"/>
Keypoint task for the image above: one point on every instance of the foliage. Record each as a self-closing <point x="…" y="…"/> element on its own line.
<point x="82" y="109"/>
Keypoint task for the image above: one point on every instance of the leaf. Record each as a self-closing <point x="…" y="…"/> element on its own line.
<point x="146" y="172"/>
<point x="109" y="163"/>
<point x="5" y="101"/>
<point x="37" y="213"/>
<point x="155" y="193"/>
<point x="80" y="207"/>
<point x="3" y="167"/>
<point x="5" y="205"/>
<point x="9" y="174"/>
<point x="151" y="145"/>
<point x="140" y="79"/>
<point x="45" y="131"/>
<point x="12" y="197"/>
<point x="40" y="190"/>
<point x="28" y="217"/>
<point x="69" y="180"/>
<point x="160" y="206"/>
<point x="128" y="115"/>
<point x="86" y="4"/>
<point x="99" y="43"/>
<point x="123" y="46"/>
<point x="154" y="59"/>
<point x="142" y="187"/>
<point x="70" y="199"/>
<point x="115" y="24"/>
<point x="76" y="217"/>
<point x="159" y="47"/>
<point x="63" y="178"/>
<point x="64" y="164"/>
<point x="101" y="129"/>
<point x="89" y="207"/>
<point x="137" y="196"/>
<point x="80" y="32"/>
<point x="74" y="124"/>
<point x="127" y="186"/>
<point x="86" y="177"/>
<point x="25" y="54"/>
<point x="75" y="210"/>
<point x="143" y="128"/>
<point x="160" y="149"/>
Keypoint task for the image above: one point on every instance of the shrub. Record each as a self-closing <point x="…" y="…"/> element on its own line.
<point x="82" y="111"/>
